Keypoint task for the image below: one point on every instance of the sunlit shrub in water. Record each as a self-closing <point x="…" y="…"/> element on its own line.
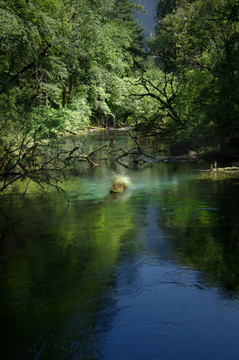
<point x="120" y="183"/>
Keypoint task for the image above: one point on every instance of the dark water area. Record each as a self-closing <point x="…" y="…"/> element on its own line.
<point x="150" y="274"/>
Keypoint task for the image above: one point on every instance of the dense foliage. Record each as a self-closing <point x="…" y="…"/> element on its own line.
<point x="62" y="67"/>
<point x="68" y="54"/>
<point x="196" y="43"/>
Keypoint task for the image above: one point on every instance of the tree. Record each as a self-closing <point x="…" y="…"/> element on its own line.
<point x="62" y="66"/>
<point x="197" y="41"/>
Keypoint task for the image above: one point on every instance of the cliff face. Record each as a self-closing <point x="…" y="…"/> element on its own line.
<point x="147" y="20"/>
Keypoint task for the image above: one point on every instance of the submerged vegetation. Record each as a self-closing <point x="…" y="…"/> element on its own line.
<point x="120" y="182"/>
<point x="67" y="66"/>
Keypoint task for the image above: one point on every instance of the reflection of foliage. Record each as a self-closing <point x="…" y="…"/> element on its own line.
<point x="202" y="240"/>
<point x="58" y="265"/>
<point x="55" y="274"/>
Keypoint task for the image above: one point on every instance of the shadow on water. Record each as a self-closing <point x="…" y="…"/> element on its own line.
<point x="151" y="273"/>
<point x="57" y="266"/>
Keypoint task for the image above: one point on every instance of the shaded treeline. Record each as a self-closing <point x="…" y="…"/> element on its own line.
<point x="196" y="84"/>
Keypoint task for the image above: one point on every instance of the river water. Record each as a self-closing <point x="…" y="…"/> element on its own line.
<point x="150" y="274"/>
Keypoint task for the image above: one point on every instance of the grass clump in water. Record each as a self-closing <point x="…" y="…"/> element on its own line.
<point x="119" y="183"/>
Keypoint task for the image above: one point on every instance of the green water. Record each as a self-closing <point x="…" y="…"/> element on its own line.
<point x="150" y="274"/>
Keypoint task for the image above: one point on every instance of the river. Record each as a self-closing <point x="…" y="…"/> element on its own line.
<point x="150" y="274"/>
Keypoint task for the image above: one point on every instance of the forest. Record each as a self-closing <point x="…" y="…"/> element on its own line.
<point x="119" y="179"/>
<point x="70" y="65"/>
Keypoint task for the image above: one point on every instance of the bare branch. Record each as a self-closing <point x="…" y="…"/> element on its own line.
<point x="162" y="95"/>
